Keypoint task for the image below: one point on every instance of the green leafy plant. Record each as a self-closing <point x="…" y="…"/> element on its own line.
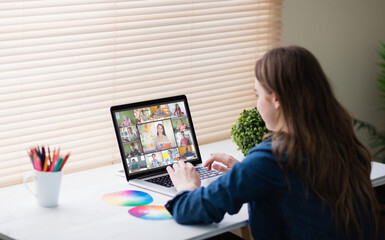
<point x="377" y="138"/>
<point x="248" y="130"/>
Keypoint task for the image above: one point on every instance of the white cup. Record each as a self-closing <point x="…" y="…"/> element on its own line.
<point x="47" y="185"/>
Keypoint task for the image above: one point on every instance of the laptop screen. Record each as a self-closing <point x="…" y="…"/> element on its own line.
<point x="154" y="134"/>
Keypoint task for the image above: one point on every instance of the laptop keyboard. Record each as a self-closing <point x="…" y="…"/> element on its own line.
<point x="166" y="181"/>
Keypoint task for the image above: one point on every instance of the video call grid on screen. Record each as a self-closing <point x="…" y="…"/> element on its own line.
<point x="155" y="136"/>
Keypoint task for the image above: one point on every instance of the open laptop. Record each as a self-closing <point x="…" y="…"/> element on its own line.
<point x="155" y="134"/>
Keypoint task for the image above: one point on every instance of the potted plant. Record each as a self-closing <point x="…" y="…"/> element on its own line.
<point x="377" y="138"/>
<point x="248" y="130"/>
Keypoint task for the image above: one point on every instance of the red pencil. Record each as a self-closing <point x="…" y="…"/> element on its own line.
<point x="64" y="161"/>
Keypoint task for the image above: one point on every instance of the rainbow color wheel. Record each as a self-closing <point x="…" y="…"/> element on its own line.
<point x="150" y="212"/>
<point x="128" y="198"/>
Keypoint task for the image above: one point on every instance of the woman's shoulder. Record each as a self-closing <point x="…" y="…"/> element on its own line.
<point x="265" y="146"/>
<point x="262" y="148"/>
<point x="261" y="154"/>
<point x="261" y="162"/>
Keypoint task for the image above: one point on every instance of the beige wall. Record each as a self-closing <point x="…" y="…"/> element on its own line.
<point x="344" y="35"/>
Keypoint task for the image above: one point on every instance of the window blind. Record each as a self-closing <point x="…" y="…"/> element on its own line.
<point x="64" y="63"/>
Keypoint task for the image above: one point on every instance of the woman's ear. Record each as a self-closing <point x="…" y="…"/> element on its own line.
<point x="276" y="102"/>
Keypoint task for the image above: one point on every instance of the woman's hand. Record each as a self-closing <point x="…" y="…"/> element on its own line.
<point x="225" y="159"/>
<point x="184" y="176"/>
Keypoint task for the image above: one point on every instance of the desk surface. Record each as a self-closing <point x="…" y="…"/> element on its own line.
<point x="82" y="214"/>
<point x="378" y="174"/>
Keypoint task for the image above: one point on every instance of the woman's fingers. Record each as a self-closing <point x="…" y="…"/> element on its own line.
<point x="170" y="171"/>
<point x="181" y="163"/>
<point x="220" y="168"/>
<point x="209" y="162"/>
<point x="215" y="157"/>
<point x="184" y="176"/>
<point x="176" y="165"/>
<point x="225" y="159"/>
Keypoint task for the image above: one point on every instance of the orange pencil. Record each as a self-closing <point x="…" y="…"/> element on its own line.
<point x="45" y="164"/>
<point x="58" y="152"/>
<point x="52" y="161"/>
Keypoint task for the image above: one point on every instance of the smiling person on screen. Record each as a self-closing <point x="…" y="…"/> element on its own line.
<point x="134" y="150"/>
<point x="181" y="125"/>
<point x="184" y="141"/>
<point x="161" y="137"/>
<point x="126" y="121"/>
<point x="130" y="135"/>
<point x="154" y="161"/>
<point x="188" y="153"/>
<point x="309" y="178"/>
<point x="134" y="165"/>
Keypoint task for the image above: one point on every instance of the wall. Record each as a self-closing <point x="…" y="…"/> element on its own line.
<point x="344" y="35"/>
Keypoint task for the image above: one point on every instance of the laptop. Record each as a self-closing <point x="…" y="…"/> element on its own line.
<point x="155" y="134"/>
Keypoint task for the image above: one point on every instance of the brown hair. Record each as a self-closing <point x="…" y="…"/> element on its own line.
<point x="319" y="129"/>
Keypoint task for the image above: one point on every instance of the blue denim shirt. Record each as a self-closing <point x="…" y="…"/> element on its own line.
<point x="276" y="210"/>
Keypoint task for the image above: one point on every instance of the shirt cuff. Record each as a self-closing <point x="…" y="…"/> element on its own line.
<point x="170" y="204"/>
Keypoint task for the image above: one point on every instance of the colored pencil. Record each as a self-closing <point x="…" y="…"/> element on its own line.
<point x="58" y="165"/>
<point x="42" y="160"/>
<point x="64" y="161"/>
<point x="45" y="164"/>
<point x="37" y="163"/>
<point x="53" y="161"/>
<point x="49" y="157"/>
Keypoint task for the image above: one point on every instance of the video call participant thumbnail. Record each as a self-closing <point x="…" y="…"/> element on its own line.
<point x="184" y="141"/>
<point x="170" y="156"/>
<point x="154" y="160"/>
<point x="161" y="139"/>
<point x="157" y="136"/>
<point x="169" y="159"/>
<point x="180" y="124"/>
<point x="129" y="134"/>
<point x="134" y="165"/>
<point x="132" y="134"/>
<point x="177" y="109"/>
<point x="186" y="152"/>
<point x="135" y="151"/>
<point x="143" y="115"/>
<point x="160" y="112"/>
<point x="126" y="121"/>
<point x="137" y="163"/>
<point x="125" y="118"/>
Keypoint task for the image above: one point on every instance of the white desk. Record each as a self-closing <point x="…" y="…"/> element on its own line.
<point x="82" y="214"/>
<point x="378" y="174"/>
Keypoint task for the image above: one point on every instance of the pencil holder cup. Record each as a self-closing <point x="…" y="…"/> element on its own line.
<point x="47" y="186"/>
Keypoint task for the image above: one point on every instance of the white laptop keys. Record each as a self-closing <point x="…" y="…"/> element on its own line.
<point x="155" y="134"/>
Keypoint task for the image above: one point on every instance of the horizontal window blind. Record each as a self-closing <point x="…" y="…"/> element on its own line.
<point x="64" y="63"/>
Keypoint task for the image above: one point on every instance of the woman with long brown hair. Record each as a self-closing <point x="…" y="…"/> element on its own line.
<point x="309" y="179"/>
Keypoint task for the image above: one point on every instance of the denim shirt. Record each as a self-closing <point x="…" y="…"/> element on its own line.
<point x="277" y="210"/>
